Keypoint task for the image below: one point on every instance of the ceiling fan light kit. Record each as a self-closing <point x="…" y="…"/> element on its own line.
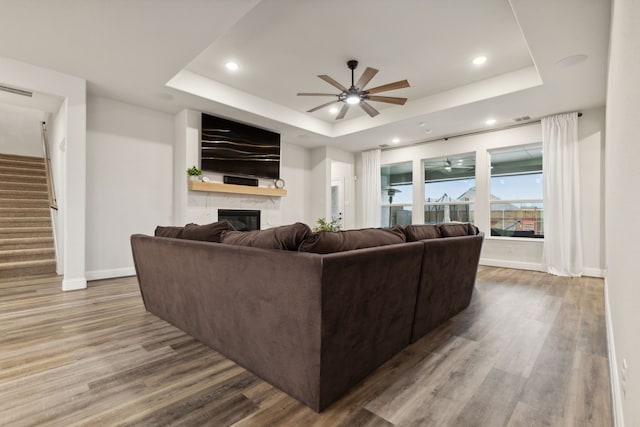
<point x="356" y="95"/>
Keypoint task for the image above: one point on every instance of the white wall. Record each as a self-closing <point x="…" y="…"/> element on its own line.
<point x="56" y="138"/>
<point x="202" y="207"/>
<point x="623" y="209"/>
<point x="20" y="131"/>
<point x="516" y="252"/>
<point x="591" y="132"/>
<point x="129" y="181"/>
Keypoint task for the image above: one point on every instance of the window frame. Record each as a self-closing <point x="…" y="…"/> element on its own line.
<point x="540" y="201"/>
<point x="470" y="203"/>
<point x="385" y="204"/>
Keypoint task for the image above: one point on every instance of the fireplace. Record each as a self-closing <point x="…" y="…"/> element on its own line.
<point x="243" y="220"/>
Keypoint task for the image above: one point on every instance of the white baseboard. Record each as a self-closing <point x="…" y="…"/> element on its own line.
<point x="74" y="284"/>
<point x="519" y="265"/>
<point x="109" y="274"/>
<point x="593" y="272"/>
<point x="616" y="399"/>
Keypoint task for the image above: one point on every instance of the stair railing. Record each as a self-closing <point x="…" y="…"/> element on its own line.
<point x="51" y="192"/>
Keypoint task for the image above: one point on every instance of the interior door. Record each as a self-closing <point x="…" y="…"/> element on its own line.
<point x="337" y="200"/>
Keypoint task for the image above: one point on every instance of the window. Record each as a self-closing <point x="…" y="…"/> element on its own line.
<point x="516" y="192"/>
<point x="449" y="188"/>
<point x="397" y="194"/>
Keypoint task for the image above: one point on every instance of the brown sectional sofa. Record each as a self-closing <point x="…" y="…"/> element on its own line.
<point x="311" y="324"/>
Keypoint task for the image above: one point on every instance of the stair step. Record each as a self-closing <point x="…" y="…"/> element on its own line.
<point x="26" y="243"/>
<point x="25" y="221"/>
<point x="25" y="212"/>
<point x="26" y="186"/>
<point x="9" y="170"/>
<point x="18" y="194"/>
<point x="21" y="158"/>
<point x="34" y="254"/>
<point x="32" y="179"/>
<point x="16" y="232"/>
<point x="22" y="164"/>
<point x="27" y="268"/>
<point x="24" y="203"/>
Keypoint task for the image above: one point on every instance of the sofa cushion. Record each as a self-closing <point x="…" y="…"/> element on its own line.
<point x="287" y="237"/>
<point x="208" y="233"/>
<point x="421" y="232"/>
<point x="325" y="242"/>
<point x="454" y="229"/>
<point x="168" y="231"/>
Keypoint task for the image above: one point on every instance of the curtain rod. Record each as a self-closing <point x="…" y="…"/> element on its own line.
<point x="477" y="132"/>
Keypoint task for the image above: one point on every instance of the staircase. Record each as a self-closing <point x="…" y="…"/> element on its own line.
<point x="26" y="236"/>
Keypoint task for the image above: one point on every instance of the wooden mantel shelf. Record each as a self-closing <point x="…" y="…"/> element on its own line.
<point x="218" y="187"/>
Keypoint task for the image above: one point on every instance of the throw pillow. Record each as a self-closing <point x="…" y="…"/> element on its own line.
<point x="421" y="232"/>
<point x="325" y="242"/>
<point x="286" y="237"/>
<point x="168" y="231"/>
<point x="452" y="229"/>
<point x="208" y="233"/>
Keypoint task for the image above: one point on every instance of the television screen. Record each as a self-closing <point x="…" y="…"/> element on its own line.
<point x="237" y="149"/>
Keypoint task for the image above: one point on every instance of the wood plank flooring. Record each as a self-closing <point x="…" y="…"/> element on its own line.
<point x="529" y="351"/>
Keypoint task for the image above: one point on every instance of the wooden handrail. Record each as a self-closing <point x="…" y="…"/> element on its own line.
<point x="51" y="192"/>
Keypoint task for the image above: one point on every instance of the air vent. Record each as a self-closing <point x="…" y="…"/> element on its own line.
<point x="16" y="91"/>
<point x="522" y="119"/>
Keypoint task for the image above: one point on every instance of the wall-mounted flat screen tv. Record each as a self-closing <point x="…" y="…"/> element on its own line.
<point x="234" y="148"/>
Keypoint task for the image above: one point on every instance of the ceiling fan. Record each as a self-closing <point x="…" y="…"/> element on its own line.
<point x="448" y="166"/>
<point x="356" y="95"/>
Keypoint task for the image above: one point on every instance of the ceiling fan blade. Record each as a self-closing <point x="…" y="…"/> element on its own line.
<point x="388" y="99"/>
<point x="366" y="77"/>
<point x="316" y="94"/>
<point x="372" y="112"/>
<point x="321" y="106"/>
<point x="343" y="111"/>
<point x="332" y="82"/>
<point x="391" y="86"/>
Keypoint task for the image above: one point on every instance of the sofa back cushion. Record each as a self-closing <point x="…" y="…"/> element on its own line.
<point x="208" y="233"/>
<point x="421" y="232"/>
<point x="454" y="229"/>
<point x="168" y="231"/>
<point x="286" y="237"/>
<point x="325" y="242"/>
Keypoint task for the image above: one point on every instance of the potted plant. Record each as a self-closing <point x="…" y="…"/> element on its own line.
<point x="194" y="173"/>
<point x="324" y="225"/>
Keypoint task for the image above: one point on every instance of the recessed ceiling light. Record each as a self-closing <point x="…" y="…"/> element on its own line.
<point x="231" y="66"/>
<point x="333" y="110"/>
<point x="428" y="131"/>
<point x="422" y="124"/>
<point x="479" y="60"/>
<point x="395" y="140"/>
<point x="490" y="122"/>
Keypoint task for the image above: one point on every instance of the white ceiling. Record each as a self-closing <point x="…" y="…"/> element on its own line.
<point x="170" y="55"/>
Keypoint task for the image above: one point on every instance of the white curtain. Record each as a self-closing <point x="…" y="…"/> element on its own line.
<point x="371" y="190"/>
<point x="560" y="165"/>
